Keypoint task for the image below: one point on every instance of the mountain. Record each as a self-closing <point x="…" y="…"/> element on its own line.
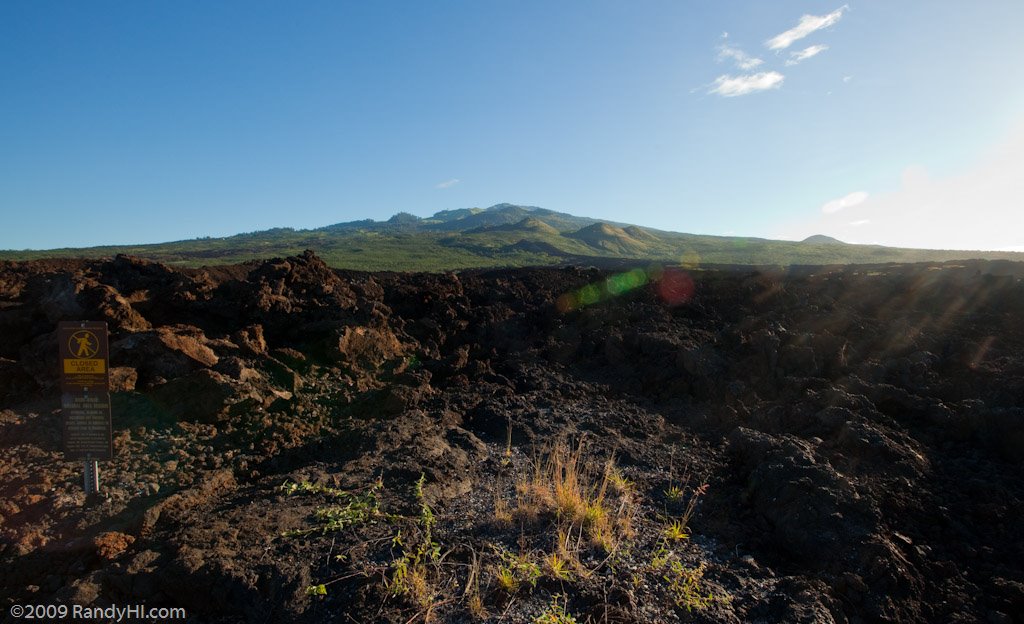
<point x="505" y="235"/>
<point x="821" y="239"/>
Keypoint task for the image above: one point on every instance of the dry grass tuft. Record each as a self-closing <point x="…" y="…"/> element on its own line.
<point x="594" y="501"/>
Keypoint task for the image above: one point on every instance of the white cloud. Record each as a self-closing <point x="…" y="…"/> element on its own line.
<point x="806" y="53"/>
<point x="847" y="201"/>
<point x="731" y="86"/>
<point x="739" y="57"/>
<point x="447" y="183"/>
<point x="847" y="78"/>
<point x="807" y="25"/>
<point x="978" y="207"/>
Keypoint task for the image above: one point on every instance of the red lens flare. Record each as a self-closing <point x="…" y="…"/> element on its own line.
<point x="675" y="287"/>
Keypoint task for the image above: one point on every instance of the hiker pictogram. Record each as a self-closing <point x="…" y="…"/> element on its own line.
<point x="83" y="344"/>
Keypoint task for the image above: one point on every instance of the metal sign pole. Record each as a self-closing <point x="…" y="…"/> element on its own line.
<point x="92" y="467"/>
<point x="92" y="477"/>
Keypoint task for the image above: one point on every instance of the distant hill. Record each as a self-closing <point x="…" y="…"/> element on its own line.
<point x="505" y="235"/>
<point x="821" y="239"/>
<point x="639" y="233"/>
<point x="528" y="225"/>
<point x="612" y="239"/>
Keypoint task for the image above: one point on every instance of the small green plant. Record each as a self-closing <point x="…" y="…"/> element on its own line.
<point x="557" y="567"/>
<point x="316" y="590"/>
<point x="357" y="508"/>
<point x="507" y="579"/>
<point x="684" y="586"/>
<point x="555" y="614"/>
<point x="660" y="559"/>
<point x="674" y="493"/>
<point x="618" y="483"/>
<point x="516" y="570"/>
<point x="676" y="531"/>
<point x="305" y="487"/>
<point x="409" y="573"/>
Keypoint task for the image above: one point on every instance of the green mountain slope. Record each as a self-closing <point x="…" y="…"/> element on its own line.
<point x="505" y="235"/>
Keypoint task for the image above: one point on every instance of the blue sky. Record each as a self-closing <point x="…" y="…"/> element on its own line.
<point x="893" y="122"/>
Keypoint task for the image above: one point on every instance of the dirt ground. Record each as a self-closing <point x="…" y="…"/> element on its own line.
<point x="635" y="444"/>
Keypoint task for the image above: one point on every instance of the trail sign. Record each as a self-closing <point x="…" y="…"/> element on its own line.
<point x="85" y="402"/>
<point x="84" y="357"/>
<point x="87" y="428"/>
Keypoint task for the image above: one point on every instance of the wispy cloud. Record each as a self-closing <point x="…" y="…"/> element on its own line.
<point x="447" y="183"/>
<point x="847" y="78"/>
<point x="807" y="25"/>
<point x="731" y="86"/>
<point x="860" y="222"/>
<point x="806" y="53"/>
<point x="738" y="56"/>
<point x="849" y="201"/>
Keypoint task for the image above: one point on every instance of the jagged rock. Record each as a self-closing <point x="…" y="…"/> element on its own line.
<point x="15" y="382"/>
<point x="60" y="302"/>
<point x="112" y="543"/>
<point x="251" y="340"/>
<point x="283" y="376"/>
<point x="366" y="347"/>
<point x="39" y="358"/>
<point x="167" y="352"/>
<point x="239" y="370"/>
<point x="292" y="358"/>
<point x="798" y="361"/>
<point x="75" y="297"/>
<point x="203" y="396"/>
<point x="123" y="378"/>
<point x="809" y="506"/>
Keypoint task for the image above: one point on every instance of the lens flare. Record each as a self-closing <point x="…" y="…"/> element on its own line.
<point x="566" y="302"/>
<point x="621" y="283"/>
<point x="690" y="259"/>
<point x="673" y="285"/>
<point x="676" y="286"/>
<point x="589" y="294"/>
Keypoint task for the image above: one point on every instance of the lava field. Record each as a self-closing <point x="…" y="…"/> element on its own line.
<point x="295" y="443"/>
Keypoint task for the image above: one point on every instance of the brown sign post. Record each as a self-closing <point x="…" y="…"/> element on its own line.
<point x="85" y="395"/>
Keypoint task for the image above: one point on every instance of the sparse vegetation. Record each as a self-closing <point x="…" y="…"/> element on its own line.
<point x="676" y="531"/>
<point x="555" y="613"/>
<point x="513" y="571"/>
<point x="357" y="508"/>
<point x="563" y="484"/>
<point x="684" y="586"/>
<point x="674" y="493"/>
<point x="557" y="567"/>
<point x="410" y="574"/>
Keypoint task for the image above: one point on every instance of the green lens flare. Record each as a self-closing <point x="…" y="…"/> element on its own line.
<point x="612" y="286"/>
<point x="589" y="294"/>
